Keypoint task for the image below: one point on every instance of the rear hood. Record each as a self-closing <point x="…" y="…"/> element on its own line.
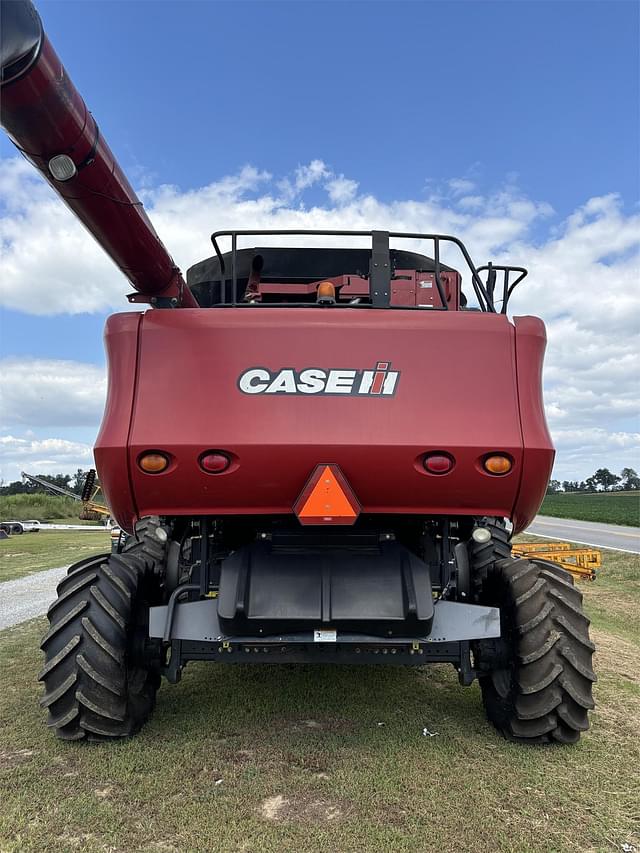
<point x="238" y="380"/>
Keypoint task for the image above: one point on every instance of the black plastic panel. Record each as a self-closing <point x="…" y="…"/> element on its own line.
<point x="383" y="591"/>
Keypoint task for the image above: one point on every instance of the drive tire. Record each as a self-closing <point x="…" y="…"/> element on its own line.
<point x="101" y="673"/>
<point x="483" y="555"/>
<point x="537" y="680"/>
<point x="146" y="543"/>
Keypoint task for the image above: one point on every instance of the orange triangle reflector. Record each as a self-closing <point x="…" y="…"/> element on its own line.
<point x="327" y="498"/>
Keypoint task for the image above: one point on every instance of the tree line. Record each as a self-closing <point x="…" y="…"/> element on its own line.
<point x="602" y="481"/>
<point x="72" y="482"/>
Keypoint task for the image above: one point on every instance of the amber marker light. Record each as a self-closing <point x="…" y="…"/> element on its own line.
<point x="326" y="293"/>
<point x="153" y="462"/>
<point x="497" y="464"/>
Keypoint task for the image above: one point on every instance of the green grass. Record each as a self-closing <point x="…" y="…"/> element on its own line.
<point x="33" y="552"/>
<point x="40" y="506"/>
<point x="306" y="766"/>
<point x="611" y="508"/>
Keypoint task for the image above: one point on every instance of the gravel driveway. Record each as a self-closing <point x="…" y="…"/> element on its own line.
<point x="28" y="597"/>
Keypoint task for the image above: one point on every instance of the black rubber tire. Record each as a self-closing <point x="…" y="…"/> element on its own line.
<point x="538" y="687"/>
<point x="98" y="685"/>
<point x="483" y="555"/>
<point x="145" y="544"/>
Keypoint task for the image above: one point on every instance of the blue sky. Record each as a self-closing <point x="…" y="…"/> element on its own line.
<point x="480" y="114"/>
<point x="393" y="94"/>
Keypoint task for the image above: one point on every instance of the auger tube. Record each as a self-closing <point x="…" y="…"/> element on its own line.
<point x="49" y="122"/>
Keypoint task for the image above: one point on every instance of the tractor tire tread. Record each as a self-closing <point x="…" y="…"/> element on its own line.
<point x="144" y="544"/>
<point x="552" y="677"/>
<point x="483" y="555"/>
<point x="92" y="691"/>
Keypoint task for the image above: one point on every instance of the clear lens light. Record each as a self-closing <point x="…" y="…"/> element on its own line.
<point x="62" y="167"/>
<point x="481" y="535"/>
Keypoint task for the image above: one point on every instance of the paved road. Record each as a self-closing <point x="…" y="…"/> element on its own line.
<point x="587" y="533"/>
<point x="28" y="597"/>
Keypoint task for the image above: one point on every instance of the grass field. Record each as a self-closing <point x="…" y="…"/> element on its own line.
<point x="611" y="508"/>
<point x="33" y="552"/>
<point x="40" y="506"/>
<point x="304" y="759"/>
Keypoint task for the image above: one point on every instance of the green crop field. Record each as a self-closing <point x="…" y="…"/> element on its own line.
<point x="330" y="760"/>
<point x="609" y="508"/>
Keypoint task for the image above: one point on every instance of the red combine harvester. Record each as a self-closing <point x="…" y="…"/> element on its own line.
<point x="321" y="453"/>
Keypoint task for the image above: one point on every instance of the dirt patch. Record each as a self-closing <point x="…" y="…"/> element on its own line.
<point x="275" y="760"/>
<point x="326" y="724"/>
<point x="61" y="767"/>
<point x="281" y="809"/>
<point x="11" y="758"/>
<point x="242" y="757"/>
<point x="104" y="793"/>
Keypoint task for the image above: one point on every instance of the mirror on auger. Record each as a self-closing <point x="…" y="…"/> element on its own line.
<point x="320" y="454"/>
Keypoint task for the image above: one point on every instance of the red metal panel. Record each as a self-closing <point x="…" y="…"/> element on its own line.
<point x="121" y="344"/>
<point x="531" y="341"/>
<point x="403" y="291"/>
<point x="411" y="287"/>
<point x="456" y="392"/>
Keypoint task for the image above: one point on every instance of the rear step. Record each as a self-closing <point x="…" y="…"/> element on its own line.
<point x="382" y="591"/>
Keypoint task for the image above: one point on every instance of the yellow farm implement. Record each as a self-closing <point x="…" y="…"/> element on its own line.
<point x="581" y="562"/>
<point x="92" y="510"/>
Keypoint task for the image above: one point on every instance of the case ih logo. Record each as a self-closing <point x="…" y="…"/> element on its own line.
<point x="381" y="382"/>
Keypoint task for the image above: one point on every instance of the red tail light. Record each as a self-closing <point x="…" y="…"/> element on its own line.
<point x="438" y="463"/>
<point x="214" y="462"/>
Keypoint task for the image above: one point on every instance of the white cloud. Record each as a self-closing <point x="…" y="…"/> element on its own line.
<point x="44" y="456"/>
<point x="471" y="202"/>
<point x="307" y="176"/>
<point x="341" y="189"/>
<point x="50" y="393"/>
<point x="461" y="186"/>
<point x="583" y="279"/>
<point x="304" y="176"/>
